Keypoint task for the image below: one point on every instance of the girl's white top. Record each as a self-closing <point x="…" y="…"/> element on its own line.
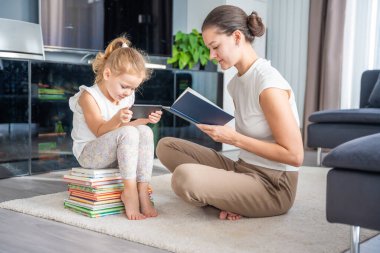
<point x="249" y="116"/>
<point x="81" y="134"/>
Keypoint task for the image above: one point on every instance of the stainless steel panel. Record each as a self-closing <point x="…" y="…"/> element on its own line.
<point x="19" y="39"/>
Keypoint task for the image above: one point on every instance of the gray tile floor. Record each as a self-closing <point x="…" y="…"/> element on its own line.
<point x="23" y="233"/>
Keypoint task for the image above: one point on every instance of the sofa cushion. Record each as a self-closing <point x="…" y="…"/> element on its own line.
<point x="374" y="98"/>
<point x="359" y="154"/>
<point x="361" y="115"/>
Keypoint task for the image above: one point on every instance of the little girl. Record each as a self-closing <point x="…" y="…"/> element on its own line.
<point x="104" y="135"/>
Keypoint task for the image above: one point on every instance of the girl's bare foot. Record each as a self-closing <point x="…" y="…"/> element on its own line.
<point x="225" y="215"/>
<point x="130" y="199"/>
<point x="146" y="205"/>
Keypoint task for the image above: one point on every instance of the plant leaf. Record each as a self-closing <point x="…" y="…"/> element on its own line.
<point x="193" y="41"/>
<point x="174" y="52"/>
<point x="196" y="56"/>
<point x="184" y="59"/>
<point x="178" y="36"/>
<point x="195" y="31"/>
<point x="188" y="50"/>
<point x="172" y="60"/>
<point x="203" y="60"/>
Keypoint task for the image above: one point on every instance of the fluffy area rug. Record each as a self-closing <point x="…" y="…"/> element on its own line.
<point x="184" y="228"/>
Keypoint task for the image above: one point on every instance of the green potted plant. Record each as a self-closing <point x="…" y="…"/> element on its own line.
<point x="188" y="50"/>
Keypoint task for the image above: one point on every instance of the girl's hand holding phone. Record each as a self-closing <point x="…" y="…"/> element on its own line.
<point x="154" y="117"/>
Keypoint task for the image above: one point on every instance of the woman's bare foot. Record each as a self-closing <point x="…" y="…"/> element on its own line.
<point x="225" y="215"/>
<point x="146" y="205"/>
<point x="130" y="199"/>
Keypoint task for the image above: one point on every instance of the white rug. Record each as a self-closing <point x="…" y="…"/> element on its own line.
<point x="184" y="228"/>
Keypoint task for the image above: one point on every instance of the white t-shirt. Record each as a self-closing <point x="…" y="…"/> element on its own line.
<point x="249" y="117"/>
<point x="81" y="134"/>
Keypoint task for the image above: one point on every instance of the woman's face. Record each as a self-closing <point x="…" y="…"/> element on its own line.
<point x="223" y="48"/>
<point x="121" y="86"/>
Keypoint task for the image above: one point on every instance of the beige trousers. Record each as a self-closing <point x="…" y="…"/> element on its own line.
<point x="202" y="176"/>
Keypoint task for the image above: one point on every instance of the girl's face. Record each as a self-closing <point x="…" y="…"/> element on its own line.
<point x="223" y="48"/>
<point x="121" y="86"/>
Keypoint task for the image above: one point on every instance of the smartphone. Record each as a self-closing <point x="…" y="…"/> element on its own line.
<point x="143" y="111"/>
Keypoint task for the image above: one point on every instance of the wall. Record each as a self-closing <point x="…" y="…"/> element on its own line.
<point x="179" y="16"/>
<point x="196" y="15"/>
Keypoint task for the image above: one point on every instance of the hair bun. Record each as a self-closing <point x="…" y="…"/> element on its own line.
<point x="255" y="24"/>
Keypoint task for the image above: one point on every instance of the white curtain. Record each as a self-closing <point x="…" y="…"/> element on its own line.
<point x="361" y="47"/>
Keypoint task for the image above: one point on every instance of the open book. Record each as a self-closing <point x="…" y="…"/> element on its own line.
<point x="197" y="109"/>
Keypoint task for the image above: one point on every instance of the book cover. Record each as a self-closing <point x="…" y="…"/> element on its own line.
<point x="78" y="174"/>
<point x="94" y="207"/>
<point x="91" y="180"/>
<point x="115" y="187"/>
<point x="92" y="184"/>
<point x="95" y="171"/>
<point x="96" y="213"/>
<point x="89" y="196"/>
<point x="197" y="109"/>
<point x="94" y="202"/>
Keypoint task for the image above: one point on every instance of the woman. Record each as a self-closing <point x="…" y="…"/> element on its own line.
<point x="263" y="181"/>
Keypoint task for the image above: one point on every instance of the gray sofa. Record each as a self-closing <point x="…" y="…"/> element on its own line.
<point x="353" y="185"/>
<point x="330" y="128"/>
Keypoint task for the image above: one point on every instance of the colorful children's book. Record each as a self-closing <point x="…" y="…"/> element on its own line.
<point x="95" y="171"/>
<point x="115" y="187"/>
<point x="94" y="202"/>
<point x="78" y="174"/>
<point x="94" y="207"/>
<point x="95" y="213"/>
<point x="96" y="182"/>
<point x="92" y="196"/>
<point x="86" y="179"/>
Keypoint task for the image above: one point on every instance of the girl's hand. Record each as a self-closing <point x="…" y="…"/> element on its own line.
<point x="155" y="117"/>
<point x="125" y="115"/>
<point x="223" y="134"/>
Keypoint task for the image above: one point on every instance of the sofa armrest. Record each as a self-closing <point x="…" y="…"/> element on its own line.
<point x="359" y="154"/>
<point x="362" y="115"/>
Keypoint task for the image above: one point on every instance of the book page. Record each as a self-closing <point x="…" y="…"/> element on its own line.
<point x="197" y="95"/>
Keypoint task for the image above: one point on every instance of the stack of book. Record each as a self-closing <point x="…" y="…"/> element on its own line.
<point x="94" y="192"/>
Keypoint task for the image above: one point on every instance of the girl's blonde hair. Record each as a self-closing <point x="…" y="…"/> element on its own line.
<point x="121" y="58"/>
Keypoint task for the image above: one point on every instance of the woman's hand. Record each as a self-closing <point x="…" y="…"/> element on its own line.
<point x="125" y="115"/>
<point x="155" y="117"/>
<point x="223" y="134"/>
